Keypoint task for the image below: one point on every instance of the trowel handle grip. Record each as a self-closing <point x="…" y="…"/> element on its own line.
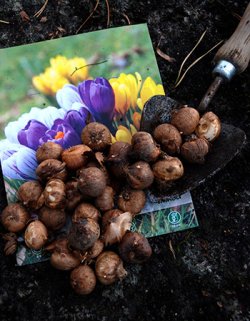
<point x="237" y="48"/>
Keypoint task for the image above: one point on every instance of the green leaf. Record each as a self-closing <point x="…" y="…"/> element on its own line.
<point x="11" y="188"/>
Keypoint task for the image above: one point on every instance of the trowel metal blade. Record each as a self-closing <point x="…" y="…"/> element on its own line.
<point x="157" y="111"/>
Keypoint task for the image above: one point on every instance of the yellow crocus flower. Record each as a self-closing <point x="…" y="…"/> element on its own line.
<point x="126" y="88"/>
<point x="59" y="64"/>
<point x="49" y="82"/>
<point x="123" y="134"/>
<point x="149" y="89"/>
<point x="77" y="70"/>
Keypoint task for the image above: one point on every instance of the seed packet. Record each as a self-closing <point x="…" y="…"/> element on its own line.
<point x="51" y="89"/>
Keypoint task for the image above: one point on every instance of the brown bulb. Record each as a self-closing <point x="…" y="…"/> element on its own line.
<point x="48" y="150"/>
<point x="14" y="217"/>
<point x="73" y="195"/>
<point x="131" y="200"/>
<point x="194" y="151"/>
<point x="97" y="136"/>
<point x="118" y="159"/>
<point x="209" y="127"/>
<point x="62" y="258"/>
<point x="168" y="169"/>
<point x="92" y="182"/>
<point x="83" y="280"/>
<point x="144" y="147"/>
<point x="31" y="195"/>
<point x="95" y="250"/>
<point x="169" y="138"/>
<point x="135" y="248"/>
<point x="10" y="246"/>
<point x="53" y="219"/>
<point x="139" y="175"/>
<point x="109" y="268"/>
<point x="83" y="234"/>
<point x="74" y="157"/>
<point x="54" y="194"/>
<point x="105" y="201"/>
<point x="86" y="210"/>
<point x="36" y="235"/>
<point x="51" y="168"/>
<point x="185" y="120"/>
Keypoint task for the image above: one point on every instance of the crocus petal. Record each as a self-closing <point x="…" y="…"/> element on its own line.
<point x="77" y="69"/>
<point x="77" y="119"/>
<point x="30" y="135"/>
<point x="45" y="115"/>
<point x="84" y="90"/>
<point x="103" y="100"/>
<point x="123" y="134"/>
<point x="68" y="138"/>
<point x="149" y="89"/>
<point x="21" y="164"/>
<point x="7" y="149"/>
<point x="26" y="162"/>
<point x="11" y="131"/>
<point x="67" y="96"/>
<point x="48" y="115"/>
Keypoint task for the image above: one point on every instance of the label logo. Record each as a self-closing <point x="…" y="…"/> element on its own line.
<point x="174" y="217"/>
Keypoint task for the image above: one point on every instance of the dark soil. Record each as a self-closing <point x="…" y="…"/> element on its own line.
<point x="209" y="279"/>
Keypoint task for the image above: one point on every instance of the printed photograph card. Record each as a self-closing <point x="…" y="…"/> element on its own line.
<point x="50" y="90"/>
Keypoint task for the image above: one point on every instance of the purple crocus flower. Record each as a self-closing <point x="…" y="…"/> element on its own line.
<point x="95" y="95"/>
<point x="99" y="97"/>
<point x="61" y="133"/>
<point x="30" y="134"/>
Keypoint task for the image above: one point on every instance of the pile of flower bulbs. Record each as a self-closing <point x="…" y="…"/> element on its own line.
<point x="96" y="189"/>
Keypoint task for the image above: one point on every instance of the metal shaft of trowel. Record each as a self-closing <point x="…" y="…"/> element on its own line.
<point x="223" y="72"/>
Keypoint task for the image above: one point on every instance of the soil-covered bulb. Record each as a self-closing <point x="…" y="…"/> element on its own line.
<point x="144" y="147"/>
<point x="83" y="234"/>
<point x="195" y="150"/>
<point x="135" y="248"/>
<point x="185" y="120"/>
<point x="14" y="217"/>
<point x="74" y="157"/>
<point x="97" y="136"/>
<point x="83" y="280"/>
<point x="36" y="235"/>
<point x="31" y="195"/>
<point x="109" y="268"/>
<point x="48" y="150"/>
<point x="92" y="182"/>
<point x="169" y="138"/>
<point x="139" y="175"/>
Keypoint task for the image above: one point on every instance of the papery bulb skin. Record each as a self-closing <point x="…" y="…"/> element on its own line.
<point x="83" y="234"/>
<point x="14" y="217"/>
<point x="83" y="280"/>
<point x="49" y="150"/>
<point x="209" y="127"/>
<point x="97" y="136"/>
<point x="36" y="235"/>
<point x="135" y="248"/>
<point x="109" y="268"/>
<point x="169" y="138"/>
<point x="185" y="119"/>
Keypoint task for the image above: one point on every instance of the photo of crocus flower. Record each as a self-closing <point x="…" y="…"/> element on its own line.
<point x="61" y="71"/>
<point x="51" y="90"/>
<point x="71" y="84"/>
<point x="96" y="95"/>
